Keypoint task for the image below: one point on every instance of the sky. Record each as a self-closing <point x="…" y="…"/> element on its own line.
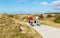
<point x="29" y="6"/>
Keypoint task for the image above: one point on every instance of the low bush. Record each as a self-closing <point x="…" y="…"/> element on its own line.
<point x="49" y="16"/>
<point x="57" y="19"/>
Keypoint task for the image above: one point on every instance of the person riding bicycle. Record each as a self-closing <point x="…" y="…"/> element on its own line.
<point x="31" y="20"/>
<point x="37" y="20"/>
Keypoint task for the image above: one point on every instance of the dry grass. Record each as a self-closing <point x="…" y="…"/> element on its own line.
<point x="46" y="21"/>
<point x="9" y="28"/>
<point x="50" y="22"/>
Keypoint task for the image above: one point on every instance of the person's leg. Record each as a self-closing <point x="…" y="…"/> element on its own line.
<point x="31" y="23"/>
<point x="37" y="23"/>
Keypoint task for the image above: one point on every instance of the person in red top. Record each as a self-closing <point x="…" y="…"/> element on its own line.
<point x="30" y="20"/>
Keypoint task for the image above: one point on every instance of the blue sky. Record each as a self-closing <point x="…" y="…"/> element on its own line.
<point x="29" y="6"/>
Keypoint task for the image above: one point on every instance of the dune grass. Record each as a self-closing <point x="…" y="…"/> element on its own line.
<point x="48" y="19"/>
<point x="50" y="23"/>
<point x="10" y="29"/>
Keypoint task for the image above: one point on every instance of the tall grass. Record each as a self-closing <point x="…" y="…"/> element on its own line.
<point x="10" y="29"/>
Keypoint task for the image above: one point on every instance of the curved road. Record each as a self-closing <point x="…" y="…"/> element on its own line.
<point x="46" y="31"/>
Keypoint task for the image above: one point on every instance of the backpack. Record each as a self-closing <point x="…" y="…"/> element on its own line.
<point x="29" y="21"/>
<point x="35" y="21"/>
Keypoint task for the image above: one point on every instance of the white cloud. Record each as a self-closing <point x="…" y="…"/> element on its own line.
<point x="54" y="5"/>
<point x="44" y="3"/>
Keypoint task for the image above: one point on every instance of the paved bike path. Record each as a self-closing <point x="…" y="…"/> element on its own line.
<point x="46" y="31"/>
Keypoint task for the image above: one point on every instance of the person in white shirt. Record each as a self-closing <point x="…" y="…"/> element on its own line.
<point x="37" y="20"/>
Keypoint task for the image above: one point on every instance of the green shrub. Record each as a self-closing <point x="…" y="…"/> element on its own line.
<point x="24" y="18"/>
<point x="57" y="20"/>
<point x="41" y="16"/>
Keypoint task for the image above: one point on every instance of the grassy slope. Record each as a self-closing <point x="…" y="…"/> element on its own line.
<point x="10" y="29"/>
<point x="50" y="23"/>
<point x="47" y="21"/>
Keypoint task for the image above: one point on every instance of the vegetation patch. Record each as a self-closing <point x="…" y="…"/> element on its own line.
<point x="57" y="20"/>
<point x="11" y="29"/>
